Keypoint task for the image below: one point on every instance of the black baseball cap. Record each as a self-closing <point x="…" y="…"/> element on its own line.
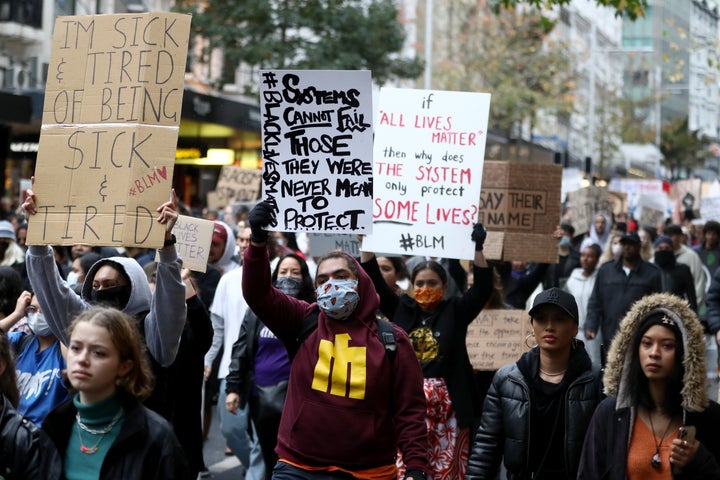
<point x="630" y="238"/>
<point x="557" y="297"/>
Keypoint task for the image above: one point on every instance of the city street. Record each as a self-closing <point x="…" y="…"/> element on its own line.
<point x="221" y="466"/>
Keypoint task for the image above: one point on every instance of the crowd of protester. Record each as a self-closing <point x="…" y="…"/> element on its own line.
<point x="330" y="366"/>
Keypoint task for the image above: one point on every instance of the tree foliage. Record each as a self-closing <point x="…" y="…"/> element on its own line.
<point x="509" y="55"/>
<point x="684" y="149"/>
<point x="305" y="34"/>
<point x="633" y="9"/>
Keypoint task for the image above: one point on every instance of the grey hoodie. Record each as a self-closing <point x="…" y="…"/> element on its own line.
<point x="166" y="309"/>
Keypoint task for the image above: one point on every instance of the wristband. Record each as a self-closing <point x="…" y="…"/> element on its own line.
<point x="170" y="241"/>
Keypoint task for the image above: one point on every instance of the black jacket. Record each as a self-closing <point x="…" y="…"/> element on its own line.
<point x="505" y="427"/>
<point x="678" y="280"/>
<point x="26" y="452"/>
<point x="449" y="327"/>
<point x="145" y="449"/>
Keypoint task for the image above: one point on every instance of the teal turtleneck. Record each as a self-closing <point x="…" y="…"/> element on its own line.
<point x="86" y="466"/>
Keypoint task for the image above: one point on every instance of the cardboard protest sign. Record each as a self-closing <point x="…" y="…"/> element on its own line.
<point x="194" y="236"/>
<point x="651" y="210"/>
<point x="322" y="243"/>
<point x="110" y="125"/>
<point x="497" y="337"/>
<point x="317" y="149"/>
<point x="429" y="153"/>
<point x="687" y="194"/>
<point x="235" y="184"/>
<point x="520" y="203"/>
<point x="583" y="204"/>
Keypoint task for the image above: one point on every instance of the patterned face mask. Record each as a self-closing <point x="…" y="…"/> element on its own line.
<point x="338" y="298"/>
<point x="428" y="298"/>
<point x="289" y="285"/>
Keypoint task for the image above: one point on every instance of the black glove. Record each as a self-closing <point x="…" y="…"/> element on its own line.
<point x="479" y="234"/>
<point x="259" y="217"/>
<point x="415" y="474"/>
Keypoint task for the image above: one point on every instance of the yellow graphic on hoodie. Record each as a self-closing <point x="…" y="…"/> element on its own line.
<point x="348" y="364"/>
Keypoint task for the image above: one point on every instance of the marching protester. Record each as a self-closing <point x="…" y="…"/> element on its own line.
<point x="120" y="282"/>
<point x="538" y="409"/>
<point x="676" y="277"/>
<point x="260" y="366"/>
<point x="26" y="452"/>
<point x="437" y="329"/>
<point x="657" y="421"/>
<point x="104" y="431"/>
<point x="355" y="395"/>
<point x="600" y="231"/>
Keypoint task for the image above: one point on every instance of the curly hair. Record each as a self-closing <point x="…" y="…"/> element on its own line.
<point x="126" y="338"/>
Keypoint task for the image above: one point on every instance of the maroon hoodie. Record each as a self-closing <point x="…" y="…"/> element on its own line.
<point x="347" y="406"/>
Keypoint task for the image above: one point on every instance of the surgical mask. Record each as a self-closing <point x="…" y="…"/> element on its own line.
<point x="428" y="298"/>
<point x="38" y="324"/>
<point x="116" y="297"/>
<point x="289" y="285"/>
<point x="616" y="250"/>
<point x="564" y="242"/>
<point x="338" y="298"/>
<point x="664" y="258"/>
<point x="72" y="278"/>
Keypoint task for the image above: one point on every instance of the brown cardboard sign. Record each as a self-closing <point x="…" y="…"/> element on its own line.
<point x="521" y="201"/>
<point x="586" y="202"/>
<point x="110" y="125"/>
<point x="497" y="337"/>
<point x="235" y="184"/>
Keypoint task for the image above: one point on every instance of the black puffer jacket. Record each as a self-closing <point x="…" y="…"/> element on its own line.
<point x="26" y="452"/>
<point x="505" y="426"/>
<point x="145" y="449"/>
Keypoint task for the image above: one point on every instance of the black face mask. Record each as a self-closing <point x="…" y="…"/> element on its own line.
<point x="289" y="285"/>
<point x="116" y="297"/>
<point x="664" y="258"/>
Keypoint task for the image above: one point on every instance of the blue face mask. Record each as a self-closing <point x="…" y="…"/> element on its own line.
<point x="564" y="242"/>
<point x="338" y="298"/>
<point x="289" y="285"/>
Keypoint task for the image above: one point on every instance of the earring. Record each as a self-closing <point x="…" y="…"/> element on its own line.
<point x="529" y="336"/>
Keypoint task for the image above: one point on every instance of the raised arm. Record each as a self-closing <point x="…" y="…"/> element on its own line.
<point x="389" y="300"/>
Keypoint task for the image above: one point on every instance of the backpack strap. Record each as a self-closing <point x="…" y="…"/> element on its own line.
<point x="23" y="343"/>
<point x="387" y="335"/>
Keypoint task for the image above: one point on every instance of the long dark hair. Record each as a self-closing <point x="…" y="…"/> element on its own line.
<point x="430" y="265"/>
<point x="8" y="380"/>
<point x="638" y="382"/>
<point x="307" y="291"/>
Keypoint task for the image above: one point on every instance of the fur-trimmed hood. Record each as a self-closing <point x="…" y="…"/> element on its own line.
<point x="694" y="394"/>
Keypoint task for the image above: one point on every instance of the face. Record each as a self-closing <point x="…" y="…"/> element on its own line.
<point x="243" y="239"/>
<point x="657" y="353"/>
<point x="518" y="266"/>
<point x="554" y="329"/>
<point x="217" y="248"/>
<point x="588" y="260"/>
<point x="388" y="270"/>
<point x="711" y="238"/>
<point x="644" y="237"/>
<point x="664" y="247"/>
<point x="333" y="269"/>
<point x="678" y="240"/>
<point x="93" y="362"/>
<point x="428" y="279"/>
<point x="77" y="269"/>
<point x="21" y="235"/>
<point x="290" y="267"/>
<point x="600" y="224"/>
<point x="77" y="250"/>
<point x="630" y="250"/>
<point x="108" y="277"/>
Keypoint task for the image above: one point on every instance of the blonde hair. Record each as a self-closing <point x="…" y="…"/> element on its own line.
<point x="127" y="340"/>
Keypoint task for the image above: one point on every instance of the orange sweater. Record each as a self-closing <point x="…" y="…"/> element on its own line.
<point x="641" y="450"/>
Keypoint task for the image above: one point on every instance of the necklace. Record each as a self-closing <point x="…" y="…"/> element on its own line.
<point x="102" y="432"/>
<point x="552" y="374"/>
<point x="656" y="461"/>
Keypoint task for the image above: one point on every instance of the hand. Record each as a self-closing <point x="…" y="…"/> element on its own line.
<point x="206" y="372"/>
<point x="558" y="233"/>
<point x="479" y="234"/>
<point x="260" y="217"/>
<point x="589" y="334"/>
<point x="29" y="205"/>
<point x="232" y="402"/>
<point x="168" y="214"/>
<point x="190" y="289"/>
<point x="682" y="451"/>
<point x="22" y="303"/>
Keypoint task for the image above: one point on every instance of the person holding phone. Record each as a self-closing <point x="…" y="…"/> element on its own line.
<point x="657" y="421"/>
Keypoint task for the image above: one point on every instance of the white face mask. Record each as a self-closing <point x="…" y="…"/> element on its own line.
<point x="617" y="250"/>
<point x="72" y="278"/>
<point x="38" y="324"/>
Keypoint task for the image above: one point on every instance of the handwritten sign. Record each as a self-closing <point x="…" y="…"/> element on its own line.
<point x="194" y="236"/>
<point x="322" y="243"/>
<point x="520" y="204"/>
<point x="110" y="125"/>
<point x="496" y="338"/>
<point x="651" y="210"/>
<point x="687" y="194"/>
<point x="429" y="153"/>
<point x="317" y="149"/>
<point x="635" y="187"/>
<point x="586" y="202"/>
<point x="710" y="208"/>
<point x="235" y="184"/>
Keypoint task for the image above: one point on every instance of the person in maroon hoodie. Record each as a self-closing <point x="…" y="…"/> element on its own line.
<point x="350" y="405"/>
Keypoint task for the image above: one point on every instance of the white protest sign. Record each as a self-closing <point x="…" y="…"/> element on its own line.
<point x="194" y="236"/>
<point x="429" y="153"/>
<point x="317" y="149"/>
<point x="651" y="209"/>
<point x="635" y="187"/>
<point x="710" y="208"/>
<point x="322" y="243"/>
